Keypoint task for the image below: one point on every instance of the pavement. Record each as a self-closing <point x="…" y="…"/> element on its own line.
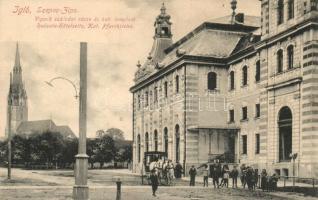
<point x="58" y="184"/>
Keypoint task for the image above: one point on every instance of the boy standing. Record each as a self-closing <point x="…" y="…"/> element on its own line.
<point x="154" y="182"/>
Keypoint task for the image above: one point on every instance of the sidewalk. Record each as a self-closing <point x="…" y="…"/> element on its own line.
<point x="288" y="195"/>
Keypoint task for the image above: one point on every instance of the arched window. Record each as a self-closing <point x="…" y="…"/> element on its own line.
<point x="177" y="84"/>
<point x="258" y="71"/>
<point x="139" y="148"/>
<point x="232" y="80"/>
<point x="147" y="141"/>
<point x="280" y="12"/>
<point x="156" y="140"/>
<point x="177" y="132"/>
<point x="166" y="139"/>
<point x="166" y="89"/>
<point x="244" y="75"/>
<point x="285" y="123"/>
<point x="290" y="53"/>
<point x="280" y="61"/>
<point x="290" y="9"/>
<point x="212" y="78"/>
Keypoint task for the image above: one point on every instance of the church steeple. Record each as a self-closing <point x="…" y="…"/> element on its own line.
<point x="162" y="40"/>
<point x="17" y="57"/>
<point x="163" y="24"/>
<point x="17" y="69"/>
<point x="17" y="97"/>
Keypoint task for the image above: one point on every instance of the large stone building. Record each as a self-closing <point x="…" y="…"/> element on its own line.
<point x="241" y="89"/>
<point x="17" y="109"/>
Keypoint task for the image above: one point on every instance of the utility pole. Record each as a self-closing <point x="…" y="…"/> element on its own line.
<point x="80" y="189"/>
<point x="9" y="139"/>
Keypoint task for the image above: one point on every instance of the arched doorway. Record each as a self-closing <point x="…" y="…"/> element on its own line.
<point x="166" y="139"/>
<point x="177" y="132"/>
<point x="285" y="128"/>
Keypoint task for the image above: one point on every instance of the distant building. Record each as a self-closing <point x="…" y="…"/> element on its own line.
<point x="42" y="126"/>
<point x="239" y="88"/>
<point x="18" y="108"/>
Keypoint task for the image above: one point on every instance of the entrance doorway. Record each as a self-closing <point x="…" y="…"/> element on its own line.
<point x="285" y="123"/>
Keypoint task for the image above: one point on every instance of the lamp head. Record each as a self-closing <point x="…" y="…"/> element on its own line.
<point x="49" y="83"/>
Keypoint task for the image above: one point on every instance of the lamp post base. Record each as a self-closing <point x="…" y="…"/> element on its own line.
<point x="80" y="189"/>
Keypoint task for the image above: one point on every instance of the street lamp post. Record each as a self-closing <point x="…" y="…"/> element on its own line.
<point x="80" y="189"/>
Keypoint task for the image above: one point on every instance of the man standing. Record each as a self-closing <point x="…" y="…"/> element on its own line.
<point x="192" y="173"/>
<point x="205" y="176"/>
<point x="234" y="175"/>
<point x="215" y="177"/>
<point x="154" y="182"/>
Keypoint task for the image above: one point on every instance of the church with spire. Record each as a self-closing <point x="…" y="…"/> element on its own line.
<point x="237" y="89"/>
<point x="17" y="108"/>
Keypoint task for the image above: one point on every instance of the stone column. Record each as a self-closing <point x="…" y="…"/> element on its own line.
<point x="80" y="189"/>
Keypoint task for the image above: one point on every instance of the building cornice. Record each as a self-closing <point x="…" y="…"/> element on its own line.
<point x="185" y="59"/>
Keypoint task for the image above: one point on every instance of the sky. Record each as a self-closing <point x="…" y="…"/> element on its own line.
<point x="112" y="56"/>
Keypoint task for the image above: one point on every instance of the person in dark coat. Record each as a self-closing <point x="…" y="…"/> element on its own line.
<point x="243" y="175"/>
<point x="215" y="177"/>
<point x="234" y="175"/>
<point x="192" y="173"/>
<point x="255" y="178"/>
<point x="154" y="181"/>
<point x="264" y="180"/>
<point x="178" y="170"/>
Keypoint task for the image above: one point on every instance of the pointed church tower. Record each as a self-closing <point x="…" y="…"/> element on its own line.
<point x="17" y="97"/>
<point x="163" y="36"/>
<point x="162" y="40"/>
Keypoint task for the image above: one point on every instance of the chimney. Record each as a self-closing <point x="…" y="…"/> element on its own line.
<point x="239" y="18"/>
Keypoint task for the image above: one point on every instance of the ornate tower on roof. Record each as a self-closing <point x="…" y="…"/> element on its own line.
<point x="17" y="97"/>
<point x="162" y="40"/>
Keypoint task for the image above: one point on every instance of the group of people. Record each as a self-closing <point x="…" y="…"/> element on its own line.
<point x="221" y="175"/>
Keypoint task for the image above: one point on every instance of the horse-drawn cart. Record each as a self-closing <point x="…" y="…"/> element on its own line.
<point x="152" y="158"/>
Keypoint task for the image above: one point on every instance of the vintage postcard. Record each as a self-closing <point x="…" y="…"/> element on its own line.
<point x="158" y="99"/>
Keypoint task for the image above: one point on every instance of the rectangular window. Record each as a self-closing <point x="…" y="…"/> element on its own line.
<point x="166" y="89"/>
<point x="290" y="9"/>
<point x="139" y="102"/>
<point x="244" y="143"/>
<point x="146" y="99"/>
<point x="257" y="144"/>
<point x="231" y="113"/>
<point x="244" y="113"/>
<point x="257" y="110"/>
<point x="155" y="95"/>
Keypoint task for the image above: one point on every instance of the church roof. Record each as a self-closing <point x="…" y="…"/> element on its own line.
<point x="216" y="40"/>
<point x="41" y="126"/>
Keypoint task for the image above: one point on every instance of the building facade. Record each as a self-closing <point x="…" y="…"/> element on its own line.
<point x="241" y="89"/>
